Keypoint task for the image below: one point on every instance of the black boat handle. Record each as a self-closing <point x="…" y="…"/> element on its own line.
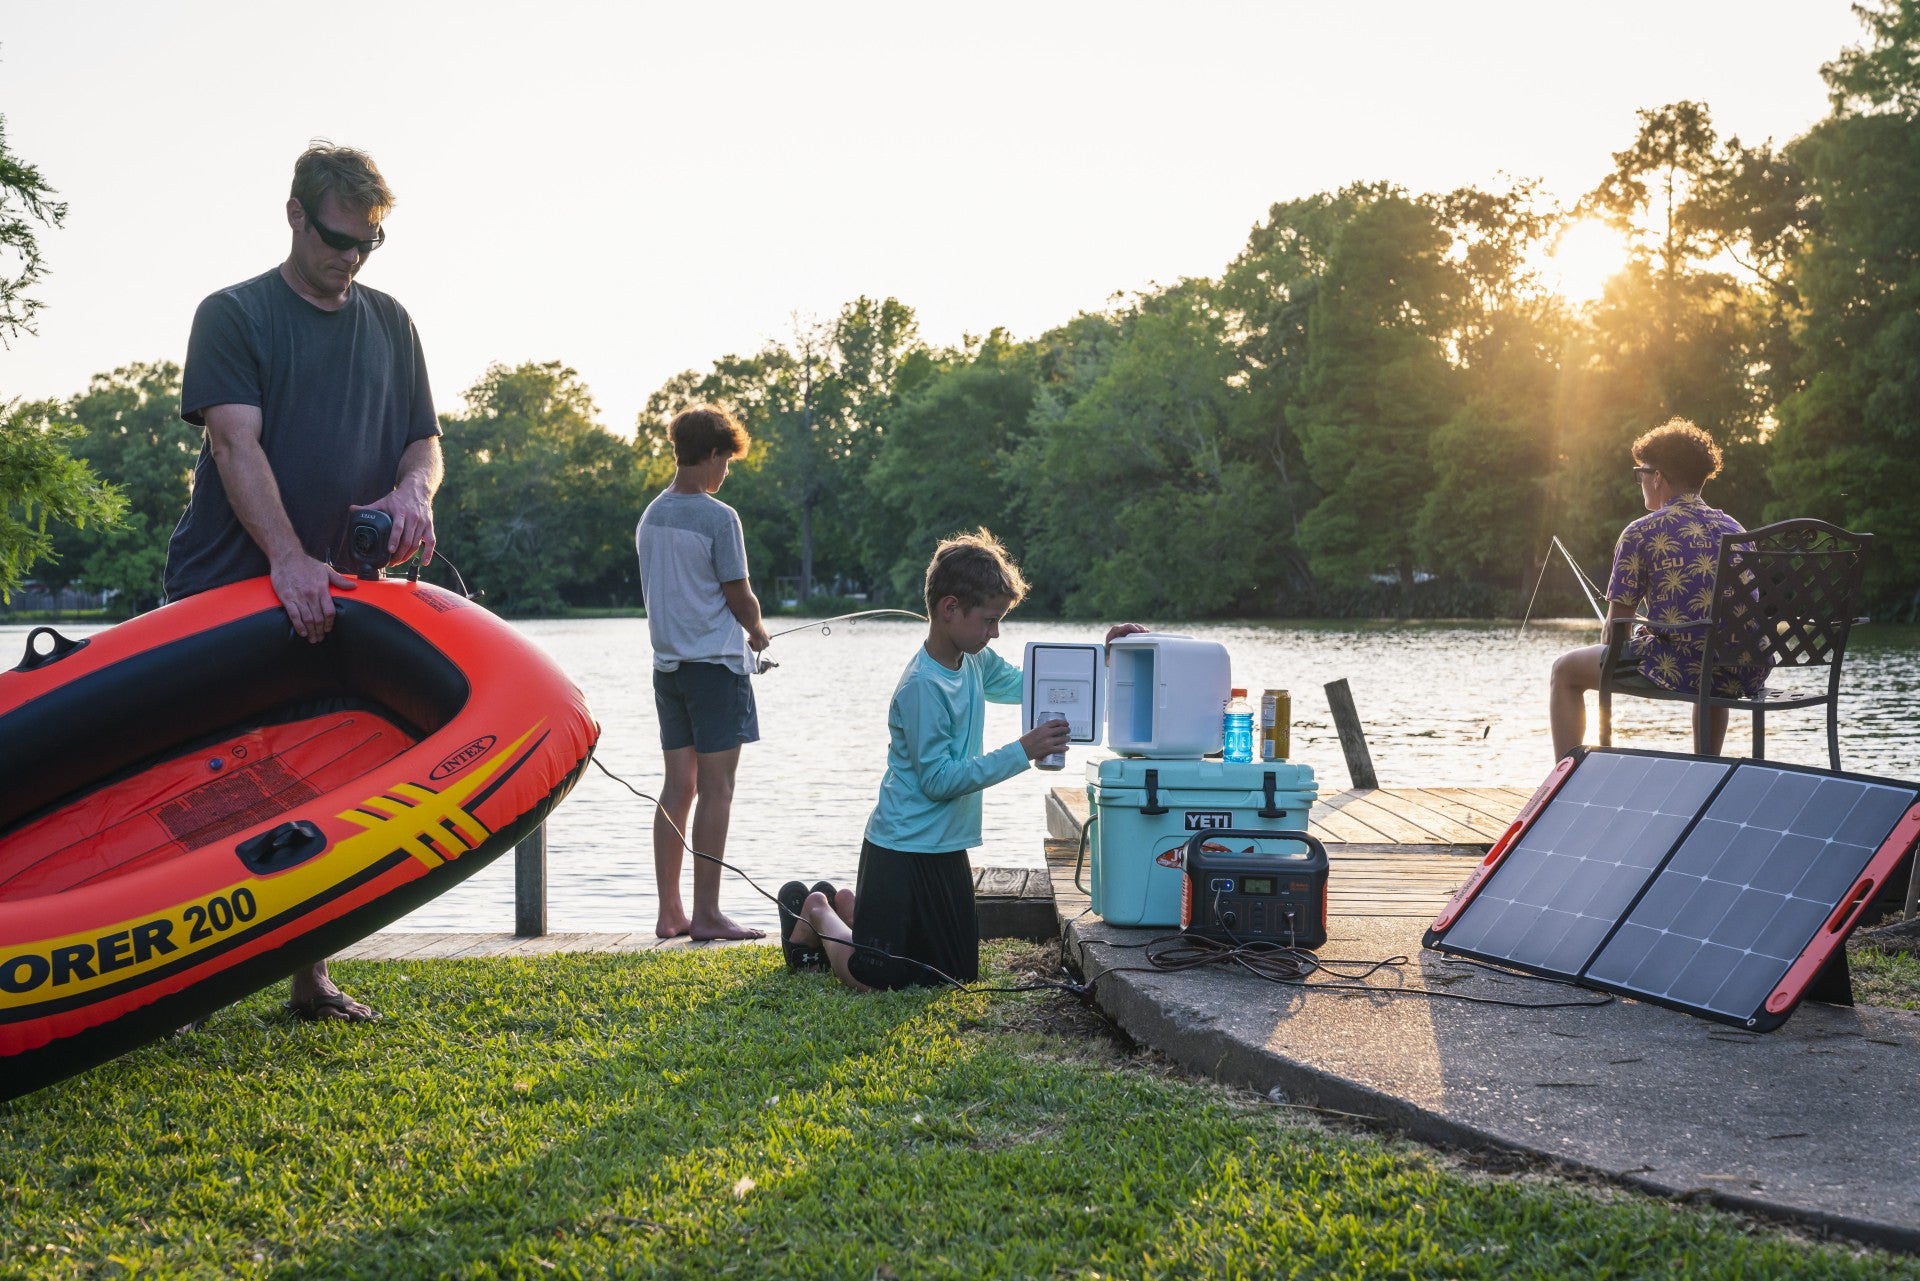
<point x="281" y="848"/>
<point x="62" y="646"/>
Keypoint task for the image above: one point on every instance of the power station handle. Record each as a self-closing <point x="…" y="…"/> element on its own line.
<point x="281" y="848"/>
<point x="1194" y="842"/>
<point x="62" y="646"/>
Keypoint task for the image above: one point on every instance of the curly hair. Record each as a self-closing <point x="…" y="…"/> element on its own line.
<point x="701" y="431"/>
<point x="1681" y="452"/>
<point x="973" y="569"/>
<point x="347" y="173"/>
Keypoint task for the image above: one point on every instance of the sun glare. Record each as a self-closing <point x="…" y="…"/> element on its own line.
<point x="1587" y="255"/>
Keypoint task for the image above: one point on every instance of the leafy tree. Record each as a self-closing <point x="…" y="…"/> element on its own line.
<point x="26" y="203"/>
<point x="135" y="438"/>
<point x="1147" y="496"/>
<point x="42" y="484"/>
<point x="1376" y="386"/>
<point x="1848" y="444"/>
<point x="1675" y="335"/>
<point x="540" y="500"/>
<point x="1269" y="292"/>
<point x="940" y="466"/>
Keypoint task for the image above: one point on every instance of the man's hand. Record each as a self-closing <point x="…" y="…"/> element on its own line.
<point x="301" y="583"/>
<point x="757" y="638"/>
<point x="411" y="508"/>
<point x="1045" y="739"/>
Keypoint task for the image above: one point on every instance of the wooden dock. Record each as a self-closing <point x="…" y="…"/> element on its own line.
<point x="1395" y="851"/>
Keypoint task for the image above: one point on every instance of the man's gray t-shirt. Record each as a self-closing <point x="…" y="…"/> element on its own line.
<point x="341" y="394"/>
<point x="689" y="544"/>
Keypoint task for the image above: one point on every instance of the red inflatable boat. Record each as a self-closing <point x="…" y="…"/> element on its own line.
<point x="197" y="803"/>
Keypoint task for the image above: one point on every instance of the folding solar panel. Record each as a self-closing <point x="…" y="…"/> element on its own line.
<point x="1718" y="887"/>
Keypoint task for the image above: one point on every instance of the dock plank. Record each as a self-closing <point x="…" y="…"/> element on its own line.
<point x="1429" y="815"/>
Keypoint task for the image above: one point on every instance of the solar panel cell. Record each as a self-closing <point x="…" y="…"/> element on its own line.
<point x="1696" y="882"/>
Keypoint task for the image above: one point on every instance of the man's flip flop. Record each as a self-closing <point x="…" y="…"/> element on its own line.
<point x="793" y="897"/>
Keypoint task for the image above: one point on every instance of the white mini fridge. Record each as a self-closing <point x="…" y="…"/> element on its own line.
<point x="1160" y="694"/>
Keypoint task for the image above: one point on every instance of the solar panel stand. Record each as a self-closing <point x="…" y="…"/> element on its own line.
<point x="1834" y="984"/>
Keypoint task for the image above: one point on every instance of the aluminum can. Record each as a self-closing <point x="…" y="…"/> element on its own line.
<point x="1276" y="724"/>
<point x="1057" y="760"/>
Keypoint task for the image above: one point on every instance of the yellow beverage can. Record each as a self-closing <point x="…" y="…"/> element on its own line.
<point x="1276" y="724"/>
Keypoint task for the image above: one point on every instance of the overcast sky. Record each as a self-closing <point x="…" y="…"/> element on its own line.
<point x="636" y="189"/>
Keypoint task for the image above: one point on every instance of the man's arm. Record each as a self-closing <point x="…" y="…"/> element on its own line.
<point x="300" y="581"/>
<point x="415" y="481"/>
<point x="746" y="608"/>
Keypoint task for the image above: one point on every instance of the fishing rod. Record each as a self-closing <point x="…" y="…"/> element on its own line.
<point x="825" y="625"/>
<point x="826" y="629"/>
<point x="1587" y="585"/>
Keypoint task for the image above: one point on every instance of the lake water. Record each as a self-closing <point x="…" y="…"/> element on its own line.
<point x="1444" y="704"/>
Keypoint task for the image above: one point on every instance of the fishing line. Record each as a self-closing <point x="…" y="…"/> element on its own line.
<point x="1587" y="585"/>
<point x="1039" y="985"/>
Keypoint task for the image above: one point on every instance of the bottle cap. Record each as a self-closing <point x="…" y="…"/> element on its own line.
<point x="1238" y="693"/>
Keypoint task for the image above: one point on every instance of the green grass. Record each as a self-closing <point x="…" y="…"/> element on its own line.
<point x="1885" y="977"/>
<point x="707" y="1114"/>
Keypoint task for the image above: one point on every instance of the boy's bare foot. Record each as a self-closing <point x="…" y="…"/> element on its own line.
<point x="671" y="924"/>
<point x="843" y="906"/>
<point x="707" y="929"/>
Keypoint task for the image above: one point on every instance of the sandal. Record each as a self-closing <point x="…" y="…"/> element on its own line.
<point x="793" y="897"/>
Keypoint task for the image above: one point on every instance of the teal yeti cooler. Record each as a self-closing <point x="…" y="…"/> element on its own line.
<point x="1141" y="812"/>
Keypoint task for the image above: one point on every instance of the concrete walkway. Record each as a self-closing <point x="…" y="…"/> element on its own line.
<point x="1818" y="1122"/>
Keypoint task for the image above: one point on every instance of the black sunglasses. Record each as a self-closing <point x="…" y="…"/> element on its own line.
<point x="340" y="240"/>
<point x="1641" y="469"/>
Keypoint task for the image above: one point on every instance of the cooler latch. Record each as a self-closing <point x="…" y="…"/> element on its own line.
<point x="1153" y="805"/>
<point x="1268" y="786"/>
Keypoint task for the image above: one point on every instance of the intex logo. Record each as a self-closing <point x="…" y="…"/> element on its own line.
<point x="464" y="757"/>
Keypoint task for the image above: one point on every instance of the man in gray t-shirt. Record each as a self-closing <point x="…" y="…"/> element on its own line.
<point x="314" y="395"/>
<point x="704" y="622"/>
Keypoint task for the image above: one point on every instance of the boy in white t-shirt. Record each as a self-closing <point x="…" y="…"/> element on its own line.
<point x="705" y="624"/>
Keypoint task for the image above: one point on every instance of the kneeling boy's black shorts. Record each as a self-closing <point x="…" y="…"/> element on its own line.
<point x="705" y="706"/>
<point x="914" y="907"/>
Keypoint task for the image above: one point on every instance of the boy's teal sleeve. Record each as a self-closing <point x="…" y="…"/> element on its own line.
<point x="944" y="770"/>
<point x="1000" y="679"/>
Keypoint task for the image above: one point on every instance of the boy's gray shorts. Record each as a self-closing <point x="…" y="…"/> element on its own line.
<point x="705" y="706"/>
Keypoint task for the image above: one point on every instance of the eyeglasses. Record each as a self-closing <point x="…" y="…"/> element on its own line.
<point x="1641" y="469"/>
<point x="339" y="239"/>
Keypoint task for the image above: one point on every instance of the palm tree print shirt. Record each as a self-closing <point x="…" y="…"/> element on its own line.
<point x="1667" y="559"/>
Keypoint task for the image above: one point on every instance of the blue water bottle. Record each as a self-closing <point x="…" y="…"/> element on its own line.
<point x="1237" y="731"/>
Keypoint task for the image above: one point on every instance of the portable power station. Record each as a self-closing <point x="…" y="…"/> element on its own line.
<point x="1272" y="891"/>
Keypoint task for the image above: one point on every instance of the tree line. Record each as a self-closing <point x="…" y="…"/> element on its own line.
<point x="1377" y="408"/>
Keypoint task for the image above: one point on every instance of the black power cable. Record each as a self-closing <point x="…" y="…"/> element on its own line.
<point x="1040" y="985"/>
<point x="1170" y="953"/>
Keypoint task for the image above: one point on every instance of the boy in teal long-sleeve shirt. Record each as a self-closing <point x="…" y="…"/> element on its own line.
<point x="912" y="919"/>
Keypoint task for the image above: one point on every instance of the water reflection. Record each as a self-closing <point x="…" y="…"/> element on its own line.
<point x="1445" y="704"/>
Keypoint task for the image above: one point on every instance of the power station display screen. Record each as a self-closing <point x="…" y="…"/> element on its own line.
<point x="1717" y="887"/>
<point x="1256" y="885"/>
